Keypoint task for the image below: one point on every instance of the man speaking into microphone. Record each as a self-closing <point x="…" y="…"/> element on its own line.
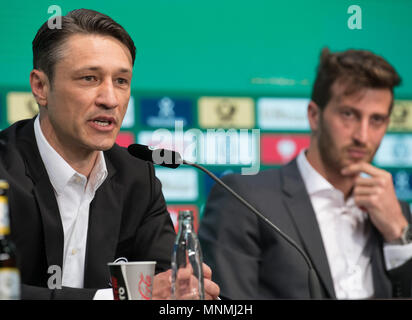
<point x="77" y="200"/>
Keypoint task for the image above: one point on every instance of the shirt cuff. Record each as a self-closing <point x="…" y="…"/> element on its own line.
<point x="396" y="254"/>
<point x="104" y="294"/>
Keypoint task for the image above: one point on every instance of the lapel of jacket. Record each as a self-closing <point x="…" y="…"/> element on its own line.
<point x="44" y="195"/>
<point x="300" y="208"/>
<point x="103" y="230"/>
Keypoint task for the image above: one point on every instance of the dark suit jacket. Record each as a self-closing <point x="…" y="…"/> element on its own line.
<point x="251" y="261"/>
<point x="127" y="218"/>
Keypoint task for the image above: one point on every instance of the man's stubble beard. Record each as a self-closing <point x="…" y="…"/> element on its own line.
<point x="328" y="152"/>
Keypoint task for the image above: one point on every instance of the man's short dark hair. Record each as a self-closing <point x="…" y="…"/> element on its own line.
<point x="356" y="69"/>
<point x="47" y="44"/>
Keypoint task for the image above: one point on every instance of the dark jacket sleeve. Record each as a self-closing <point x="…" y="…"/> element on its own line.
<point x="155" y="235"/>
<point x="401" y="277"/>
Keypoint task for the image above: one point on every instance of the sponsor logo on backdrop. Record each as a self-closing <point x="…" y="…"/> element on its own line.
<point x="401" y="117"/>
<point x="174" y="214"/>
<point x="170" y="140"/>
<point x="163" y="112"/>
<point x="278" y="149"/>
<point x="211" y="147"/>
<point x="21" y="105"/>
<point x="129" y="117"/>
<point x="283" y="114"/>
<point x="180" y="184"/>
<point x="226" y="112"/>
<point x="403" y="184"/>
<point x="125" y="138"/>
<point x="395" y="151"/>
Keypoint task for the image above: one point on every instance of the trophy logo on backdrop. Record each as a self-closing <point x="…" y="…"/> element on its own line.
<point x="226" y="110"/>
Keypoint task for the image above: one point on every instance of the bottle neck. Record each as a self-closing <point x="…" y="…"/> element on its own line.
<point x="186" y="225"/>
<point x="185" y="221"/>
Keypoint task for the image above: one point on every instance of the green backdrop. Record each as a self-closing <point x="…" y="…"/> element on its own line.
<point x="225" y="46"/>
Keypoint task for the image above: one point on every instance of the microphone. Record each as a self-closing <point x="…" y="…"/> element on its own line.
<point x="162" y="157"/>
<point x="172" y="159"/>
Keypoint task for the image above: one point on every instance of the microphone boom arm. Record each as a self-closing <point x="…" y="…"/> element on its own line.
<point x="313" y="280"/>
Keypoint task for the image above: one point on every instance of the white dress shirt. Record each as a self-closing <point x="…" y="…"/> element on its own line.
<point x="74" y="193"/>
<point x="345" y="236"/>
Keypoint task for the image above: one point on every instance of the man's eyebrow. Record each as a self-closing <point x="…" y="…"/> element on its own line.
<point x="346" y="106"/>
<point x="124" y="70"/>
<point x="357" y="112"/>
<point x="94" y="68"/>
<point x="386" y="116"/>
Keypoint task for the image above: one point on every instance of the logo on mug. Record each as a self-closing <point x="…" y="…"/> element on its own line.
<point x="145" y="284"/>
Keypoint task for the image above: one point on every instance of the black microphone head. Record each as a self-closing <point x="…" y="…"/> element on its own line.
<point x="162" y="157"/>
<point x="140" y="151"/>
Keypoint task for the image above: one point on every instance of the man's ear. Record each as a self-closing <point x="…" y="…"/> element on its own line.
<point x="40" y="86"/>
<point x="314" y="114"/>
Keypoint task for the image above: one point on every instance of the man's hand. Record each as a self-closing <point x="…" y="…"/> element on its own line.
<point x="376" y="195"/>
<point x="212" y="290"/>
<point x="162" y="284"/>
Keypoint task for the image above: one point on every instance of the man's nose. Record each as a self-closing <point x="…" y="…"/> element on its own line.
<point x="106" y="97"/>
<point x="361" y="133"/>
